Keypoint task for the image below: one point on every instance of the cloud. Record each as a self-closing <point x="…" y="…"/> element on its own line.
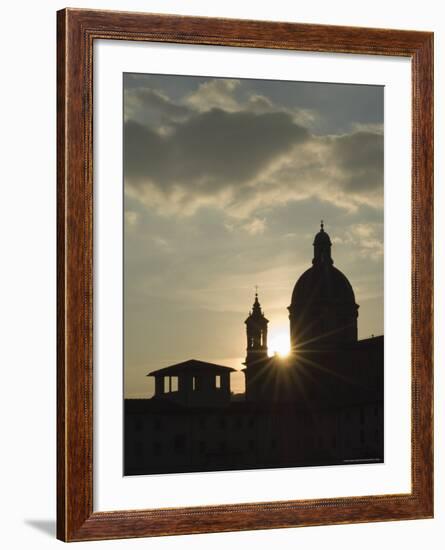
<point x="216" y="93"/>
<point x="231" y="96"/>
<point x="256" y="226"/>
<point x="152" y="106"/>
<point x="131" y="218"/>
<point x="365" y="238"/>
<point x="322" y="168"/>
<point x="374" y="127"/>
<point x="224" y="148"/>
<point x="359" y="156"/>
<point x="205" y="157"/>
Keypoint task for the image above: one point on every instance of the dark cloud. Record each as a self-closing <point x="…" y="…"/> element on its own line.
<point x="360" y="156"/>
<point x="209" y="150"/>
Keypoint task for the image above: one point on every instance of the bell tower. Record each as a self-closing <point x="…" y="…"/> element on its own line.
<point x="256" y="352"/>
<point x="256" y="332"/>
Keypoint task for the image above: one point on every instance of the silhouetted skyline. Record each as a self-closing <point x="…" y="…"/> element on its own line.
<point x="321" y="403"/>
<point x="225" y="182"/>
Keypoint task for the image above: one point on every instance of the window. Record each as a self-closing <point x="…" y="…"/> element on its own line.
<point x="166" y="384"/>
<point x="218" y="381"/>
<point x="194" y="383"/>
<point x="174" y="383"/>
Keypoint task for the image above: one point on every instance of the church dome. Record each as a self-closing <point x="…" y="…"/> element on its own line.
<point x="322" y="284"/>
<point x="323" y="308"/>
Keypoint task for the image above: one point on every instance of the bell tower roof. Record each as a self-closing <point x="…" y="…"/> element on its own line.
<point x="256" y="314"/>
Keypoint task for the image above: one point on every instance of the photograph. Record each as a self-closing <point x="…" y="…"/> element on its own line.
<point x="253" y="274"/>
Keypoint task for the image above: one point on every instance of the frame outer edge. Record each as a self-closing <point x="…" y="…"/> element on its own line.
<point x="74" y="252"/>
<point x="423" y="107"/>
<point x="61" y="304"/>
<point x="75" y="517"/>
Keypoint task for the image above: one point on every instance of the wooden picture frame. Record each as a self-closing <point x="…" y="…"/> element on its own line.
<point x="77" y="31"/>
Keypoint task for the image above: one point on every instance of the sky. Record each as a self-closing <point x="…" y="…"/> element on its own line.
<point x="225" y="184"/>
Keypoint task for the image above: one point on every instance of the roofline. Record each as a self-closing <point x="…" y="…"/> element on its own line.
<point x="183" y="367"/>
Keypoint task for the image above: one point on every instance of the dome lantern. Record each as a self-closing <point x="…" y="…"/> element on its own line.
<point x="322" y="247"/>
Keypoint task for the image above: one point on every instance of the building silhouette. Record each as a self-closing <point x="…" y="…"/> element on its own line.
<point x="193" y="383"/>
<point x="322" y="404"/>
<point x="323" y="308"/>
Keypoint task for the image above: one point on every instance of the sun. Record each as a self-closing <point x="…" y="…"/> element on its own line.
<point x="279" y="343"/>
